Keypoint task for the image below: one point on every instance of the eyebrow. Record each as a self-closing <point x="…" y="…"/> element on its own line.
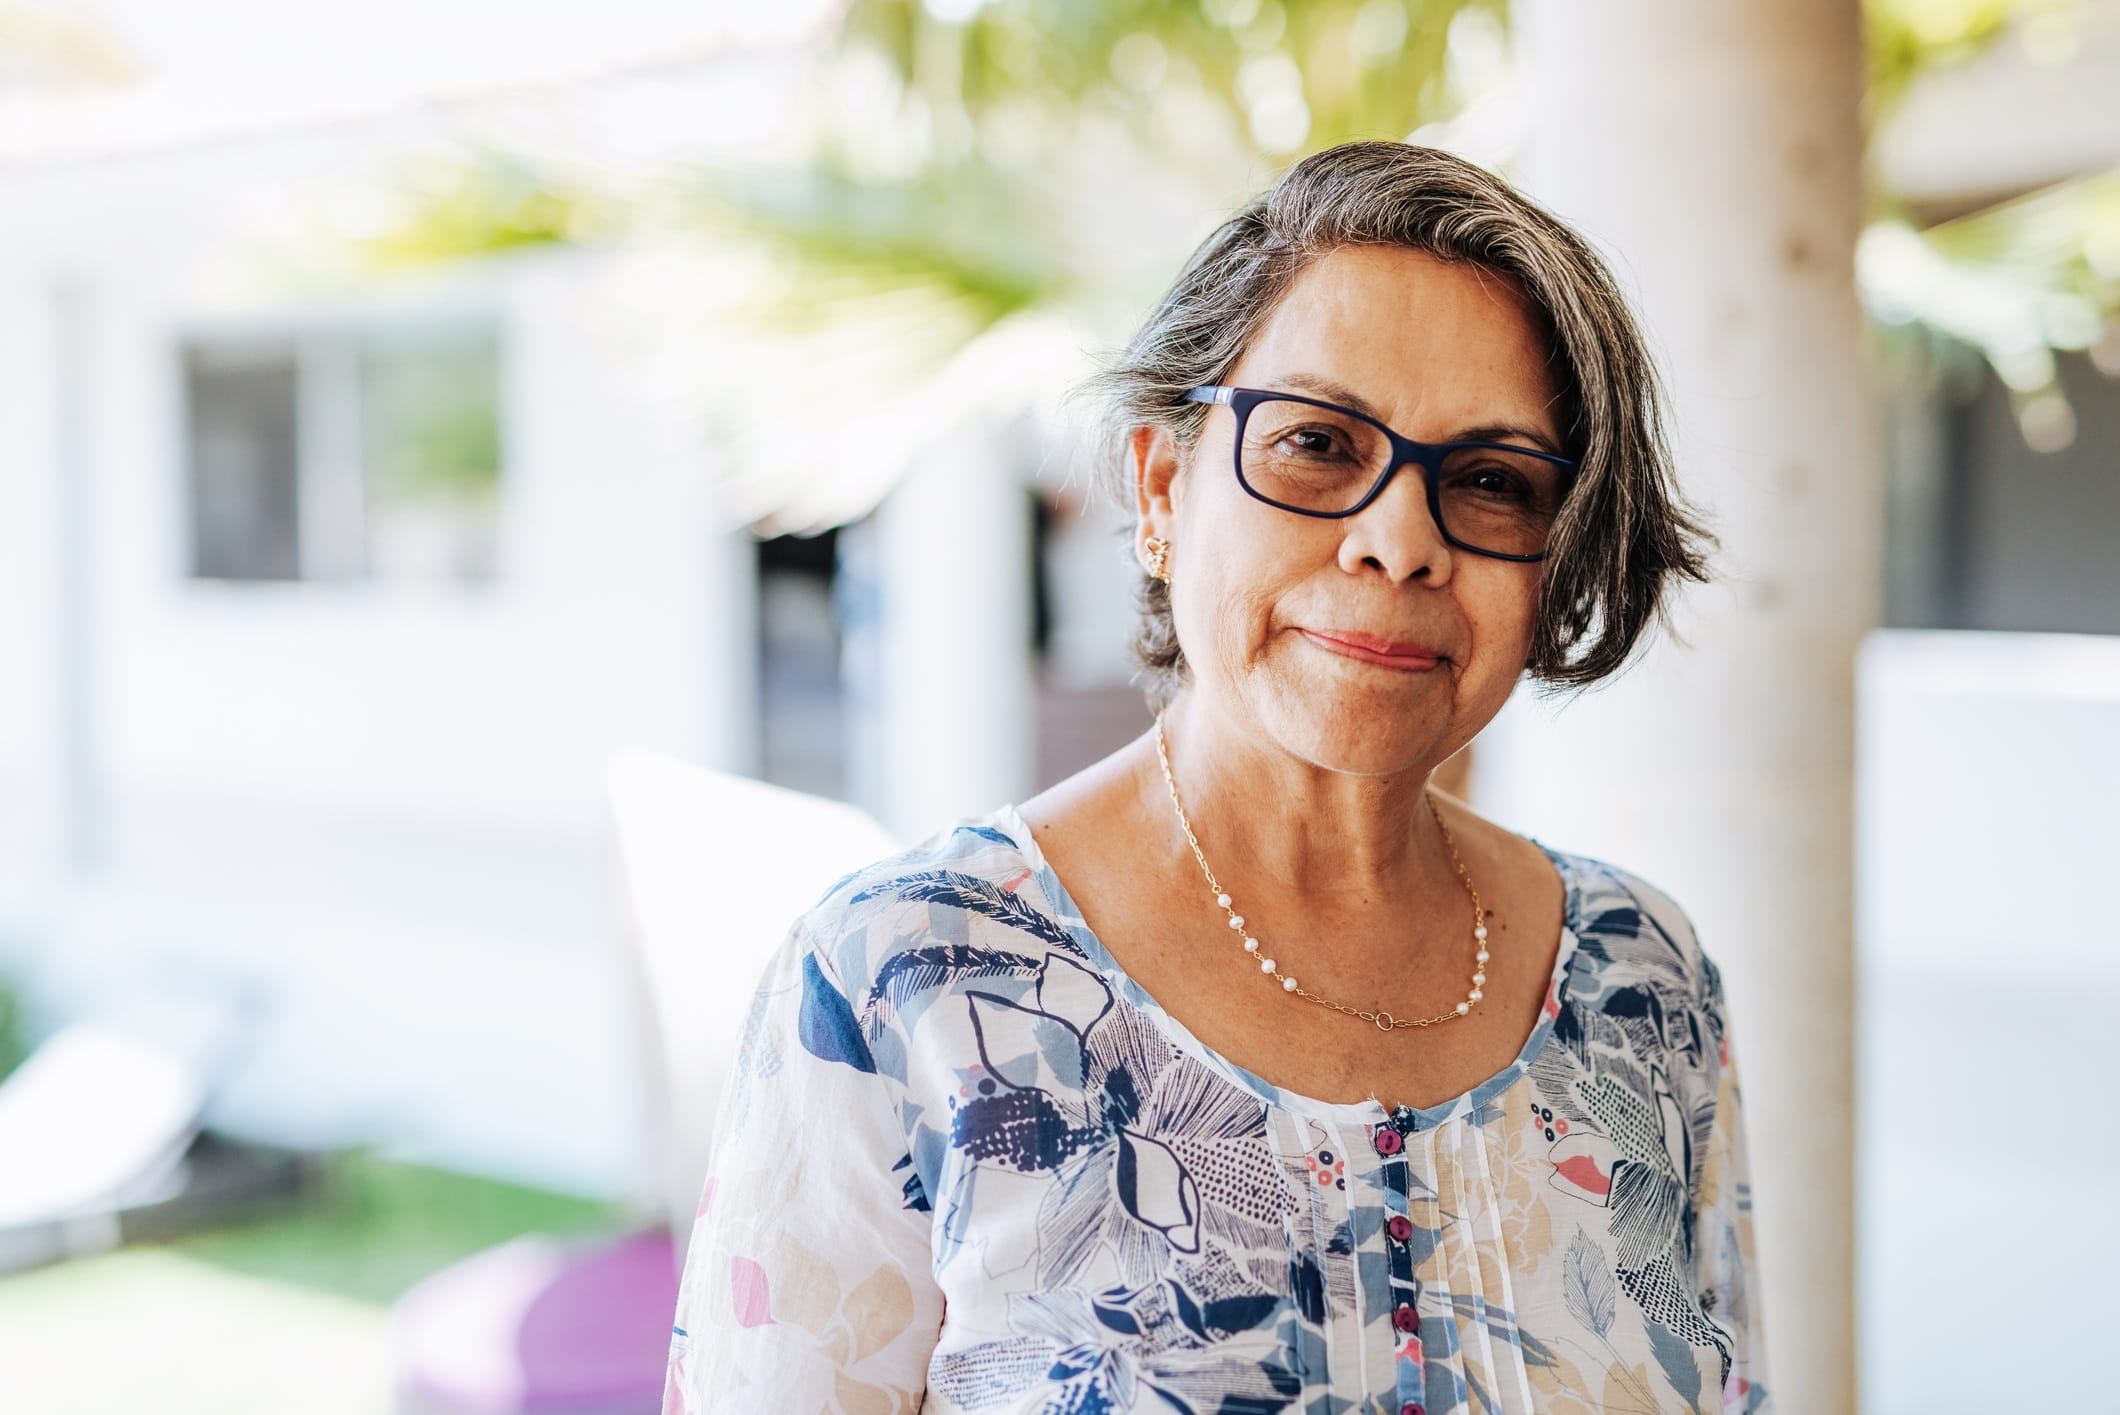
<point x="1487" y="432"/>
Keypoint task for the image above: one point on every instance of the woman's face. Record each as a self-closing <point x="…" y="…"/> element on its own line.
<point x="1437" y="351"/>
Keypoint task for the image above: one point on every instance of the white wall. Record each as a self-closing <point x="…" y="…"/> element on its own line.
<point x="1990" y="956"/>
<point x="606" y="624"/>
<point x="370" y="814"/>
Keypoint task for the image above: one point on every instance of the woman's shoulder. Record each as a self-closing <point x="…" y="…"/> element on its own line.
<point x="1635" y="930"/>
<point x="960" y="889"/>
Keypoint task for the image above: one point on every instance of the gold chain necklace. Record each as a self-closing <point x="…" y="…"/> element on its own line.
<point x="1384" y="1020"/>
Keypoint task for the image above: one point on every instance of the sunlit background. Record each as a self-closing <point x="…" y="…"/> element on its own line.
<point x="451" y="454"/>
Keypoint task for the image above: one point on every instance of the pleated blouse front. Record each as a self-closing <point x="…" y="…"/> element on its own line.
<point x="966" y="1163"/>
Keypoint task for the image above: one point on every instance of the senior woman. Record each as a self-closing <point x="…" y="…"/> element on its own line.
<point x="1245" y="1071"/>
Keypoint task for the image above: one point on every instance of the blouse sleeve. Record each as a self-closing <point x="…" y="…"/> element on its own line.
<point x="807" y="1283"/>
<point x="1723" y="1244"/>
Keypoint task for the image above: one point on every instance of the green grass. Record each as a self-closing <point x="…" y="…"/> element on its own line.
<point x="283" y="1313"/>
<point x="378" y="1226"/>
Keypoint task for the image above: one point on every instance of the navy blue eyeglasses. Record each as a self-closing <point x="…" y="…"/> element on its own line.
<point x="1320" y="459"/>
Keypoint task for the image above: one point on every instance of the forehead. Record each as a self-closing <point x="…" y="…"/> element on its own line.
<point x="1427" y="342"/>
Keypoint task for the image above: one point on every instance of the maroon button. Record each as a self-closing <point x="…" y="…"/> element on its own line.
<point x="1405" y="1318"/>
<point x="1389" y="1141"/>
<point x="1400" y="1227"/>
<point x="1412" y="1407"/>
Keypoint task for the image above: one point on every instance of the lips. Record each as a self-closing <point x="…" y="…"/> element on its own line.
<point x="1370" y="648"/>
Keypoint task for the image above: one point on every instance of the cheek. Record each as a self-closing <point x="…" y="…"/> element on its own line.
<point x="1225" y="611"/>
<point x="1245" y="565"/>
<point x="1501" y="609"/>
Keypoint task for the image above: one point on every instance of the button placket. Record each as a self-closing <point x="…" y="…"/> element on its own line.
<point x="1398" y="1231"/>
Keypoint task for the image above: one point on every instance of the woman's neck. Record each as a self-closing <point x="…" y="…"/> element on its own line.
<point x="1291" y="828"/>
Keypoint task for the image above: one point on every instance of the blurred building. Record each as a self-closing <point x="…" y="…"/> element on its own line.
<point x="1989" y="758"/>
<point x="327" y="596"/>
<point x="323" y="617"/>
<point x="2005" y="510"/>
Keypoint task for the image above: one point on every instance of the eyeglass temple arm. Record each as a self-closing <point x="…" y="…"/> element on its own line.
<point x="1209" y="393"/>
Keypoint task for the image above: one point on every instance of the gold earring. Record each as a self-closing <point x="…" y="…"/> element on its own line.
<point x="1158" y="552"/>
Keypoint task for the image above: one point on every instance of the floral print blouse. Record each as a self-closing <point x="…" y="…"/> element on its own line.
<point x="965" y="1163"/>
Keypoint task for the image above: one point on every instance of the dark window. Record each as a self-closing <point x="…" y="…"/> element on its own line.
<point x="802" y="715"/>
<point x="245" y="482"/>
<point x="345" y="454"/>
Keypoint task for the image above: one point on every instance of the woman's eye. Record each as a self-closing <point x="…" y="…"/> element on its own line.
<point x="1493" y="482"/>
<point x="1315" y="442"/>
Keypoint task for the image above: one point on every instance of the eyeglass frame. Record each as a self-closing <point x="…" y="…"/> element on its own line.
<point x="1427" y="455"/>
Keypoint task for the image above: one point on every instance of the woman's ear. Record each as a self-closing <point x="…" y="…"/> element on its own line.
<point x="1156" y="467"/>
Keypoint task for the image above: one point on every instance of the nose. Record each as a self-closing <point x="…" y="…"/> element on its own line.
<point x="1396" y="534"/>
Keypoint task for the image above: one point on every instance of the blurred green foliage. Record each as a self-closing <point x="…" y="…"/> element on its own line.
<point x="967" y="152"/>
<point x="975" y="233"/>
<point x="494" y="203"/>
<point x="1907" y="38"/>
<point x="1353" y="68"/>
<point x="958" y="155"/>
<point x="14" y="1029"/>
<point x="431" y="418"/>
<point x="2068" y="234"/>
<point x="2018" y="279"/>
<point x="952" y="155"/>
<point x="59" y="49"/>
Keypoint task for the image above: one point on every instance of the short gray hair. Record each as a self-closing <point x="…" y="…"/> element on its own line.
<point x="1624" y="537"/>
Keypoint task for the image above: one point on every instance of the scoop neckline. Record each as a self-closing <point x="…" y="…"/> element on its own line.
<point x="1369" y="1112"/>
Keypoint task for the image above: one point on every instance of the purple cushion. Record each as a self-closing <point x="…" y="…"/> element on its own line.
<point x="537" y="1326"/>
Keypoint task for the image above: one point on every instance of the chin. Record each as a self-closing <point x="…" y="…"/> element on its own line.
<point x="1354" y="733"/>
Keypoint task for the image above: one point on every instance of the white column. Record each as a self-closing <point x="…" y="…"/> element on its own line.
<point x="1712" y="151"/>
<point x="728" y="736"/>
<point x="75" y="768"/>
<point x="956" y="709"/>
<point x="331" y="496"/>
